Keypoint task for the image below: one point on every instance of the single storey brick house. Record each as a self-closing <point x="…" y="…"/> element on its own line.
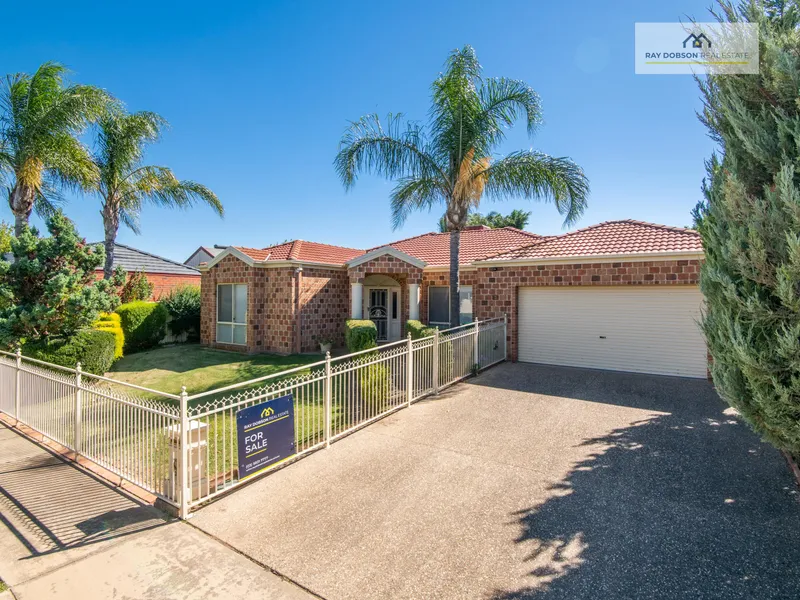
<point x="619" y="295"/>
<point x="164" y="274"/>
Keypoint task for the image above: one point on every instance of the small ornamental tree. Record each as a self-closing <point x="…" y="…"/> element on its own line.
<point x="49" y="288"/>
<point x="750" y="226"/>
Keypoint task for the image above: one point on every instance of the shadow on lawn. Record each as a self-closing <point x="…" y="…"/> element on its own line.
<point x="688" y="504"/>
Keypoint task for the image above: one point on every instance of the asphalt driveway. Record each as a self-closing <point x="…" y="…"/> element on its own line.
<point x="533" y="482"/>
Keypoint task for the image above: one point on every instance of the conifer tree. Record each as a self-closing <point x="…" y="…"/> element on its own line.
<point x="750" y="225"/>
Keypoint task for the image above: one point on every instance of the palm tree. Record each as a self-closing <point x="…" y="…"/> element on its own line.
<point x="40" y="120"/>
<point x="517" y="219"/>
<point x="452" y="162"/>
<point x="125" y="184"/>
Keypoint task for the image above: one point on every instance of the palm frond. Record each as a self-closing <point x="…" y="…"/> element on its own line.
<point x="159" y="186"/>
<point x="68" y="162"/>
<point x="398" y="150"/>
<point x="503" y="102"/>
<point x="130" y="218"/>
<point x="414" y="193"/>
<point x="537" y="176"/>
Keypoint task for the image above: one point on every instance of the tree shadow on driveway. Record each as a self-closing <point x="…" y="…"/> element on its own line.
<point x="688" y="504"/>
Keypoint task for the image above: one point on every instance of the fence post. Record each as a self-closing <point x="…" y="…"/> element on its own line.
<point x="505" y="336"/>
<point x="475" y="345"/>
<point x="410" y="370"/>
<point x="78" y="412"/>
<point x="435" y="379"/>
<point x="328" y="400"/>
<point x="184" y="466"/>
<point x="17" y="400"/>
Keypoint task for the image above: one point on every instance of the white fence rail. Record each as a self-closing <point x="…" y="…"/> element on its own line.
<point x="184" y="448"/>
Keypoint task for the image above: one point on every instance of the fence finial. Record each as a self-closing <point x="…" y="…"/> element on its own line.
<point x="328" y="355"/>
<point x="78" y="366"/>
<point x="19" y="352"/>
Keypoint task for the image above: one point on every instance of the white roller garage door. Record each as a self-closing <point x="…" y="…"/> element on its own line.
<point x="640" y="329"/>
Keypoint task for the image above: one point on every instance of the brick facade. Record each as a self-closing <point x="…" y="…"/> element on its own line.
<point x="325" y="306"/>
<point x="276" y="297"/>
<point x="494" y="293"/>
<point x="290" y="311"/>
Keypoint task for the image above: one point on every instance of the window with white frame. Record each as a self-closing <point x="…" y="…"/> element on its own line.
<point x="232" y="313"/>
<point x="465" y="304"/>
<point x="439" y="305"/>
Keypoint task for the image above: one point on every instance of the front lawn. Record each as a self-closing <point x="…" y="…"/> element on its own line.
<point x="200" y="369"/>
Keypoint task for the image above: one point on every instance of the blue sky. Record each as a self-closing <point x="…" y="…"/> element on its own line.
<point x="259" y="93"/>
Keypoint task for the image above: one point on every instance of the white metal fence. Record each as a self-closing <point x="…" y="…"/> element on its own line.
<point x="184" y="448"/>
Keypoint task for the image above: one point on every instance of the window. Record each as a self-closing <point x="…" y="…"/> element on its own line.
<point x="439" y="305"/>
<point x="232" y="313"/>
<point x="465" y="304"/>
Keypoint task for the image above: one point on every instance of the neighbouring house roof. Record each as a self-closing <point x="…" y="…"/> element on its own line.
<point x="476" y="243"/>
<point x="611" y="238"/>
<point x="133" y="259"/>
<point x="211" y="251"/>
<point x="303" y="251"/>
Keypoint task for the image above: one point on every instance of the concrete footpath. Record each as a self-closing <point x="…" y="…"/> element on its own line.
<point x="66" y="534"/>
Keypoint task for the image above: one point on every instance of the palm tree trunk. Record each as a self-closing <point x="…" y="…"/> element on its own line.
<point x="21" y="202"/>
<point x="455" y="309"/>
<point x="111" y="226"/>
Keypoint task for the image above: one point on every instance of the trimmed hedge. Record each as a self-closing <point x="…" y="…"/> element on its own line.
<point x="92" y="348"/>
<point x="144" y="324"/>
<point x="418" y="329"/>
<point x="360" y="335"/>
<point x="111" y="322"/>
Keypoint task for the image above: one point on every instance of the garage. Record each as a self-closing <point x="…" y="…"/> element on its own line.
<point x="643" y="329"/>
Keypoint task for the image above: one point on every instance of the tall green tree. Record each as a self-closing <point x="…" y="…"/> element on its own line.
<point x="450" y="161"/>
<point x="49" y="289"/>
<point x="125" y="184"/>
<point x="750" y="226"/>
<point x="517" y="219"/>
<point x="41" y="117"/>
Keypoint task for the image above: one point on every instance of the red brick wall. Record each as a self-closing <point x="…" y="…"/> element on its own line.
<point x="325" y="305"/>
<point x="272" y="303"/>
<point x="495" y="292"/>
<point x="164" y="282"/>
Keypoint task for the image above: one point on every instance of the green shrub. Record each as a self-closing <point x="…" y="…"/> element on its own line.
<point x="183" y="306"/>
<point x="92" y="348"/>
<point x="111" y="322"/>
<point x="143" y="324"/>
<point x="112" y="318"/>
<point x="360" y="335"/>
<point x="418" y="329"/>
<point x="136" y="288"/>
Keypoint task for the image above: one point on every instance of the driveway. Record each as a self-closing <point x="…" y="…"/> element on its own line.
<point x="533" y="482"/>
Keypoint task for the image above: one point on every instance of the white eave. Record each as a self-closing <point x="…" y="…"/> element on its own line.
<point x="386" y="250"/>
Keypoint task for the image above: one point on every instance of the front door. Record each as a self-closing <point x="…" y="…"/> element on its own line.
<point x="378" y="312"/>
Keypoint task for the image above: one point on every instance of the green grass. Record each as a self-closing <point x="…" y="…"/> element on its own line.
<point x="200" y="369"/>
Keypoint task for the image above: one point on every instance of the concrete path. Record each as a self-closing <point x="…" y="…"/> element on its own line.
<point x="533" y="482"/>
<point x="65" y="534"/>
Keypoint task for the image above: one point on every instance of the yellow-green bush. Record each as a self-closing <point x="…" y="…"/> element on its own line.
<point x="111" y="322"/>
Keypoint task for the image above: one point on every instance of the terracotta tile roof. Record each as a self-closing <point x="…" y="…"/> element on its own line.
<point x="476" y="243"/>
<point x="611" y="237"/>
<point x="303" y="251"/>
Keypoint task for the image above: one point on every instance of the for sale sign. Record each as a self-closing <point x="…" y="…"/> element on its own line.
<point x="265" y="434"/>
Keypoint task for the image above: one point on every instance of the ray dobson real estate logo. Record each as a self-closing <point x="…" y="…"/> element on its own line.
<point x="696" y="48"/>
